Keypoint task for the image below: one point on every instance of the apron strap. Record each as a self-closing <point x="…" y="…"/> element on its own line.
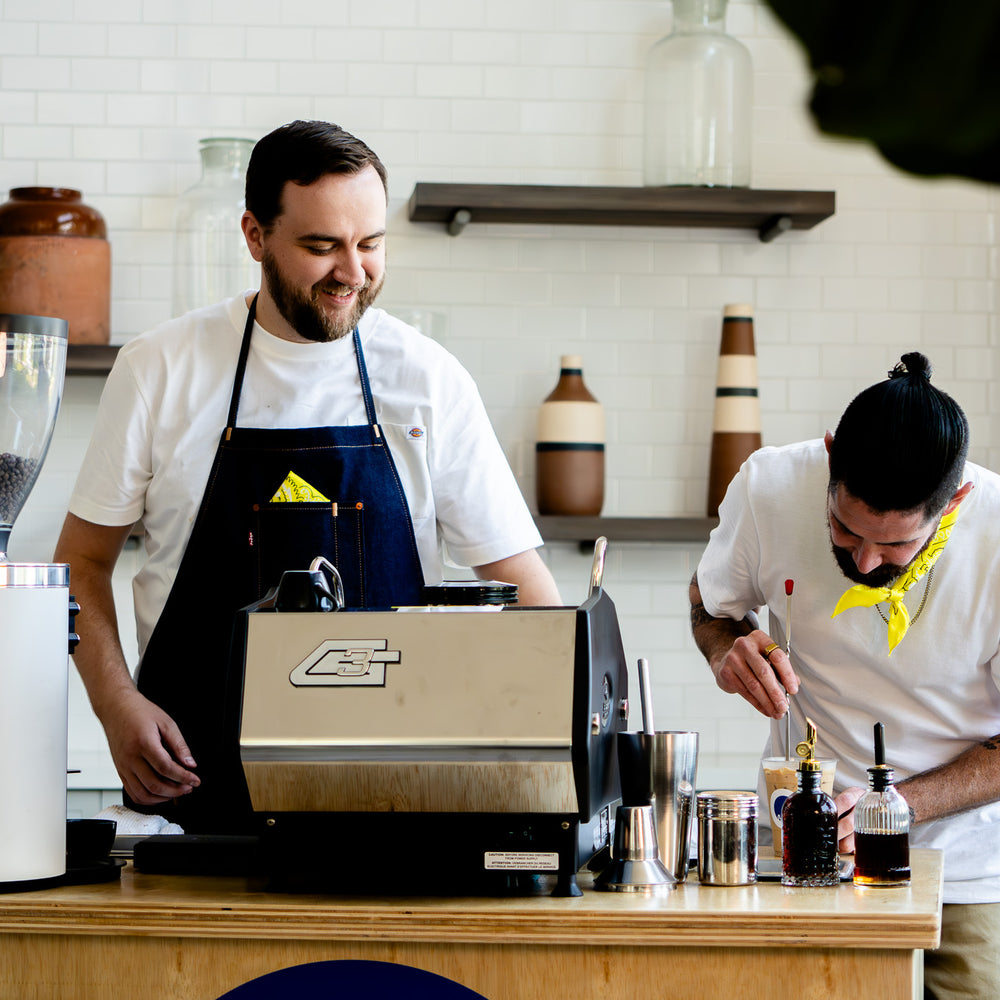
<point x="366" y="389"/>
<point x="241" y="366"/>
<point x="241" y="369"/>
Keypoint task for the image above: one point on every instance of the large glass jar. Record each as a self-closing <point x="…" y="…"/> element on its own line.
<point x="211" y="259"/>
<point x="698" y="102"/>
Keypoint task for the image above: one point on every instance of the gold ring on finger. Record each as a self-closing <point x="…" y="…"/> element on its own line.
<point x="768" y="650"/>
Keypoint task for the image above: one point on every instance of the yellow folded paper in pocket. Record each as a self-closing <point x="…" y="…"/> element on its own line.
<point x="296" y="490"/>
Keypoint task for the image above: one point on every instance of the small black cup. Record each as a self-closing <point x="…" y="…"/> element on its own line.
<point x="89" y="841"/>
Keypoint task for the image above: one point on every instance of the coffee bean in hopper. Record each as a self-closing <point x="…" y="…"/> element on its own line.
<point x="15" y="477"/>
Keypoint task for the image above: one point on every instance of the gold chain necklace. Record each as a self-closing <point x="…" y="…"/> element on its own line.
<point x="923" y="600"/>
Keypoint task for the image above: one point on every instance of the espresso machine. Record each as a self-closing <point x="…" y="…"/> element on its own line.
<point x="35" y="616"/>
<point x="439" y="749"/>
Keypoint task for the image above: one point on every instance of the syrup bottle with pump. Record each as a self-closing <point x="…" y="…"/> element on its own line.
<point x="881" y="826"/>
<point x="809" y="824"/>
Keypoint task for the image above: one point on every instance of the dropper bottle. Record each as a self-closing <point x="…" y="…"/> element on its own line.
<point x="809" y="824"/>
<point x="881" y="826"/>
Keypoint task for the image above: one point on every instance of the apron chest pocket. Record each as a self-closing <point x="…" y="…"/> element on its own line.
<point x="290" y="535"/>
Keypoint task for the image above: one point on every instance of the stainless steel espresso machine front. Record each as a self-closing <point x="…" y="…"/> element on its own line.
<point x="446" y="749"/>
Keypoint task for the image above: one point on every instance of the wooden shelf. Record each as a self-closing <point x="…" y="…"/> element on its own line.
<point x="90" y="359"/>
<point x="770" y="213"/>
<point x="585" y="530"/>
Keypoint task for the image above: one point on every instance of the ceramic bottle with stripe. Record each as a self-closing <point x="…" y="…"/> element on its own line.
<point x="569" y="449"/>
<point x="736" y="425"/>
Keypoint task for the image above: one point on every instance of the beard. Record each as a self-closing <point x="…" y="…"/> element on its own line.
<point x="305" y="312"/>
<point x="881" y="576"/>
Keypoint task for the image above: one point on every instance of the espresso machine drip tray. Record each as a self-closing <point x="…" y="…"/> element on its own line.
<point x="454" y="753"/>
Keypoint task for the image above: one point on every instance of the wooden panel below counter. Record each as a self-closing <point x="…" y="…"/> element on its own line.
<point x="195" y="938"/>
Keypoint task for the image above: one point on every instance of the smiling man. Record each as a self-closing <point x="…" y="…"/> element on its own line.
<point x="892" y="540"/>
<point x="253" y="435"/>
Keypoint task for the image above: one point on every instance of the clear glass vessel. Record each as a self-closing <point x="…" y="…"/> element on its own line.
<point x="698" y="102"/>
<point x="211" y="259"/>
<point x="881" y="832"/>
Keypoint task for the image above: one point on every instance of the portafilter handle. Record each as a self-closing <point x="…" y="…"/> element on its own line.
<point x="321" y="562"/>
<point x="597" y="569"/>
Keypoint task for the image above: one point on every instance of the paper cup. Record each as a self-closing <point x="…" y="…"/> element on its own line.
<point x="780" y="781"/>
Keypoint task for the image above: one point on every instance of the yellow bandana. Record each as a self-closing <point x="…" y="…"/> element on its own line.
<point x="862" y="596"/>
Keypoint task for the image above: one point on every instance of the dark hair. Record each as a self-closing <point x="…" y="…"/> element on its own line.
<point x="901" y="444"/>
<point x="301" y="152"/>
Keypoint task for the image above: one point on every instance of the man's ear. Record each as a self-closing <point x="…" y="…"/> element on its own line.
<point x="253" y="233"/>
<point x="828" y="441"/>
<point x="960" y="494"/>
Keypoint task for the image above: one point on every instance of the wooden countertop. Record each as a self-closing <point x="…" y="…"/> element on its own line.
<point x="693" y="915"/>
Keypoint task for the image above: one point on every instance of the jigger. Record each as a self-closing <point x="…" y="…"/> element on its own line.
<point x="635" y="866"/>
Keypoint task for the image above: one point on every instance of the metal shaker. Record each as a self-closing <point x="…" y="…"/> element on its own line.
<point x="727" y="838"/>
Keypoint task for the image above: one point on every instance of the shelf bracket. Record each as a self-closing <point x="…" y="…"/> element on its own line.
<point x="774" y="227"/>
<point x="460" y="218"/>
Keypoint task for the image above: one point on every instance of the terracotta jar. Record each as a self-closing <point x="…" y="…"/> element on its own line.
<point x="55" y="260"/>
<point x="569" y="453"/>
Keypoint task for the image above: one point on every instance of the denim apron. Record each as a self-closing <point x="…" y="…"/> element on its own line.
<point x="240" y="544"/>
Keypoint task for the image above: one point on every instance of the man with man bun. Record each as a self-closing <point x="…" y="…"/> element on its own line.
<point x="892" y="539"/>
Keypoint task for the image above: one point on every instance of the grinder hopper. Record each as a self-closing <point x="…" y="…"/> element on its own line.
<point x="34" y="614"/>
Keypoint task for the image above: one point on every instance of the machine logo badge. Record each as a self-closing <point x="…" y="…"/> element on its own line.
<point x="345" y="663"/>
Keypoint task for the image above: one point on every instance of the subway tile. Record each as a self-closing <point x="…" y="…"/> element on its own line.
<point x="34" y="73"/>
<point x="329" y="14"/>
<point x="31" y="10"/>
<point x="209" y="41"/>
<point x="243" y="77"/>
<point x="37" y="142"/>
<point x="19" y="38"/>
<point x="242" y="12"/>
<point x="399" y="13"/>
<point x="139" y="41"/>
<point x="303" y="76"/>
<point x="140" y="109"/>
<point x="67" y="39"/>
<point x="359" y="45"/>
<point x="175" y="76"/>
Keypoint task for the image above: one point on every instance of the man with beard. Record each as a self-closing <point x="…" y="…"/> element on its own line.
<point x="901" y="625"/>
<point x="256" y="434"/>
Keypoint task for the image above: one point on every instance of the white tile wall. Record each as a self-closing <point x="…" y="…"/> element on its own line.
<point x="112" y="96"/>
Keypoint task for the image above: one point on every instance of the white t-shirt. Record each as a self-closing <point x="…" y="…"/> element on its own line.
<point x="166" y="402"/>
<point x="937" y="693"/>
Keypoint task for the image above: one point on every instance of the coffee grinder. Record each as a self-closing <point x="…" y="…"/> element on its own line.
<point x="35" y="611"/>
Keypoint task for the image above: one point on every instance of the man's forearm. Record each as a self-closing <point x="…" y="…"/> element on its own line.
<point x="535" y="585"/>
<point x="714" y="637"/>
<point x="98" y="658"/>
<point x="972" y="779"/>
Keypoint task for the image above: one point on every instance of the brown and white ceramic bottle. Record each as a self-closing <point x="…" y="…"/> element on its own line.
<point x="569" y="449"/>
<point x="736" y="424"/>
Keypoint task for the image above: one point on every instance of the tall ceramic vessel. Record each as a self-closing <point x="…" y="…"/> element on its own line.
<point x="211" y="259"/>
<point x="736" y="423"/>
<point x="698" y="102"/>
<point x="569" y="453"/>
<point x="55" y="260"/>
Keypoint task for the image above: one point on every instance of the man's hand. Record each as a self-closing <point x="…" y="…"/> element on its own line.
<point x="761" y="680"/>
<point x="735" y="650"/>
<point x="148" y="750"/>
<point x="845" y="803"/>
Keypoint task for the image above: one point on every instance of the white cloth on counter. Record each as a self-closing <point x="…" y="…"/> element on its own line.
<point x="937" y="693"/>
<point x="132" y="823"/>
<point x="166" y="402"/>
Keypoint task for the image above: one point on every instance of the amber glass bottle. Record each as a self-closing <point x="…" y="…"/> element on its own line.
<point x="809" y="825"/>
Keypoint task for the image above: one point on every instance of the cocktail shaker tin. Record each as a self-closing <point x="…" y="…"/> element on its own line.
<point x="727" y="838"/>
